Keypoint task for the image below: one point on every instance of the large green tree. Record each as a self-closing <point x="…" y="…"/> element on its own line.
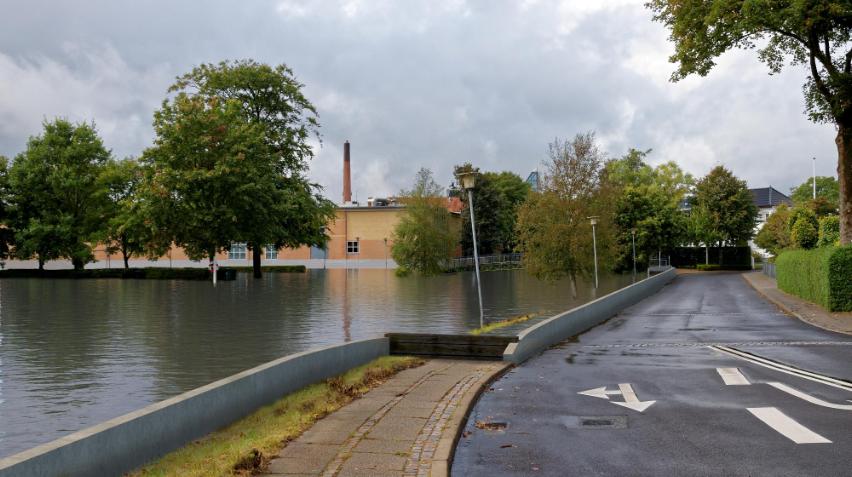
<point x="126" y="229"/>
<point x="814" y="33"/>
<point x="827" y="201"/>
<point x="284" y="208"/>
<point x="647" y="206"/>
<point x="725" y="210"/>
<point x="513" y="190"/>
<point x="554" y="230"/>
<point x="424" y="239"/>
<point x="57" y="201"/>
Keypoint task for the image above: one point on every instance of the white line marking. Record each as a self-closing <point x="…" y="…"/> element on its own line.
<point x="811" y="376"/>
<point x="600" y="392"/>
<point x="809" y="398"/>
<point x="732" y="377"/>
<point x="787" y="426"/>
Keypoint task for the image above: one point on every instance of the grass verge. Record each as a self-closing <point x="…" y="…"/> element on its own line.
<point x="503" y="323"/>
<point x="246" y="446"/>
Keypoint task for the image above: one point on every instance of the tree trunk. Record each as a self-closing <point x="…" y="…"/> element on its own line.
<point x="255" y="260"/>
<point x="844" y="176"/>
<point x="126" y="256"/>
<point x="77" y="263"/>
<point x="40" y="263"/>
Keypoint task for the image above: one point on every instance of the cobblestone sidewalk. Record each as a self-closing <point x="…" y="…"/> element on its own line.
<point x="400" y="428"/>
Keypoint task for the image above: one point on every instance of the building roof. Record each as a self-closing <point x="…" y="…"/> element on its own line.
<point x="769" y="197"/>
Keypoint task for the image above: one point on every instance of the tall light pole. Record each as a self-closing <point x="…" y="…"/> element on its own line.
<point x="814" y="170"/>
<point x="468" y="182"/>
<point x="594" y="220"/>
<point x="633" y="239"/>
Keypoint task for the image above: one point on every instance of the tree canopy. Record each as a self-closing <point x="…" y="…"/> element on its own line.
<point x="424" y="239"/>
<point x="554" y="230"/>
<point x="231" y="152"/>
<point x="647" y="206"/>
<point x="57" y="204"/>
<point x="725" y="207"/>
<point x="814" y="34"/>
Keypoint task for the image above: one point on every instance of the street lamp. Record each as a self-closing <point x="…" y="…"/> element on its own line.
<point x="633" y="239"/>
<point x="468" y="182"/>
<point x="594" y="220"/>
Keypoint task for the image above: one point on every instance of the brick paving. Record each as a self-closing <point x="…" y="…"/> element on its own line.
<point x="393" y="430"/>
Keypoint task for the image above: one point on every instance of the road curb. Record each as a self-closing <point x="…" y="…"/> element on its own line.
<point x="442" y="461"/>
<point x="787" y="309"/>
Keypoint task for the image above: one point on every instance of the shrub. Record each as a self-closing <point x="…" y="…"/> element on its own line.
<point x="829" y="231"/>
<point x="821" y="276"/>
<point x="803" y="227"/>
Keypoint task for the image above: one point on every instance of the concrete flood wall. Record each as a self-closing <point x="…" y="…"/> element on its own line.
<point x="131" y="440"/>
<point x="540" y="336"/>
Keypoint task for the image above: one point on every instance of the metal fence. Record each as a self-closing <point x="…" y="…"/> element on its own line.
<point x="491" y="262"/>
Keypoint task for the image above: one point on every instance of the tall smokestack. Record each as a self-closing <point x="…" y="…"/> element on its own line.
<point x="347" y="181"/>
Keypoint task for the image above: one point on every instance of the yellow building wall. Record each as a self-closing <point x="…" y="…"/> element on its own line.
<point x="372" y="227"/>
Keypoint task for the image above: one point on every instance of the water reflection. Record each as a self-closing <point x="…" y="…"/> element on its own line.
<point x="74" y="353"/>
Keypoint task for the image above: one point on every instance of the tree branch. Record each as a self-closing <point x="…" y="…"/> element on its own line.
<point x="820" y="84"/>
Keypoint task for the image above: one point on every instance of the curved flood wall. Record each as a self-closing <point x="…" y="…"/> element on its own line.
<point x="129" y="441"/>
<point x="540" y="336"/>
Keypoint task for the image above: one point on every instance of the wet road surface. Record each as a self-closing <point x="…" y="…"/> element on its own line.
<point x="655" y="400"/>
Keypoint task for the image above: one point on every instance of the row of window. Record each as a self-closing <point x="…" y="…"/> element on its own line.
<point x="238" y="251"/>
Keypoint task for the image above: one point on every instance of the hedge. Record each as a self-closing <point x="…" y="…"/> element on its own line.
<point x="822" y="275"/>
<point x="141" y="273"/>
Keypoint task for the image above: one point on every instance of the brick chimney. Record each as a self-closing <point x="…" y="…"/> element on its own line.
<point x="347" y="181"/>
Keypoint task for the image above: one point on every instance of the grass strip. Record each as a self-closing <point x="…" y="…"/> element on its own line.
<point x="246" y="446"/>
<point x="502" y="324"/>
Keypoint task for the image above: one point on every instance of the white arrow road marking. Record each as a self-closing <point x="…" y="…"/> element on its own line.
<point x="809" y="398"/>
<point x="600" y="392"/>
<point x="626" y="390"/>
<point x="732" y="377"/>
<point x="630" y="399"/>
<point x="787" y="426"/>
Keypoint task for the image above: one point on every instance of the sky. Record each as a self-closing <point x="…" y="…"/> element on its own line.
<point x="416" y="84"/>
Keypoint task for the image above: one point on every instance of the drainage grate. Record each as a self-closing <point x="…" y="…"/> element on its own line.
<point x="595" y="422"/>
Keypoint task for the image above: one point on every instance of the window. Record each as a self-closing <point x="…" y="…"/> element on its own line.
<point x="351" y="246"/>
<point x="237" y="251"/>
<point x="271" y="252"/>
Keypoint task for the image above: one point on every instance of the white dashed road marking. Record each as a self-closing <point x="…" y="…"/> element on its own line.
<point x="732" y="377"/>
<point x="787" y="426"/>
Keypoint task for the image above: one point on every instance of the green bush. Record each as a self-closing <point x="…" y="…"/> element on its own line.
<point x="804" y="234"/>
<point x="829" y="231"/>
<point x="821" y="276"/>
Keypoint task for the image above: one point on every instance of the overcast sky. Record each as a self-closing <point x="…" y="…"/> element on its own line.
<point x="416" y="83"/>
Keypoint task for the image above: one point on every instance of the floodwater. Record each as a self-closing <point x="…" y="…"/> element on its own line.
<point x="74" y="353"/>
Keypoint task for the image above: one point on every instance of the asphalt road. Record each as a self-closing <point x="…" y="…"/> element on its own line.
<point x="533" y="421"/>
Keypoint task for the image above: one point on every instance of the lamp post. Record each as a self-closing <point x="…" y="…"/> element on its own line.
<point x="468" y="182"/>
<point x="814" y="175"/>
<point x="594" y="220"/>
<point x="633" y="239"/>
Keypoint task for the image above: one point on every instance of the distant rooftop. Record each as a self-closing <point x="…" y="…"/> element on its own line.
<point x="769" y="197"/>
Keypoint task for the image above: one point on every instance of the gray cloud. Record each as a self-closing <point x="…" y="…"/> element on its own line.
<point x="415" y="84"/>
